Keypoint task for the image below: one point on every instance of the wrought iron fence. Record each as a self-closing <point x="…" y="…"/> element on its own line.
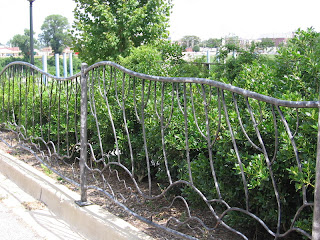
<point x="187" y="155"/>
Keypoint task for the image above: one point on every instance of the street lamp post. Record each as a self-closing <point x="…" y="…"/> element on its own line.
<point x="31" y="33"/>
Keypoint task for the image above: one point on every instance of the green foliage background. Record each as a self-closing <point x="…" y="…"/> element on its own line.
<point x="105" y="30"/>
<point x="55" y="33"/>
<point x="293" y="74"/>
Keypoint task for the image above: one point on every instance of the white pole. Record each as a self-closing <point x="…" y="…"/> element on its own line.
<point x="71" y="64"/>
<point x="45" y="67"/>
<point x="217" y="55"/>
<point x="44" y="63"/>
<point x="57" y="65"/>
<point x="208" y="59"/>
<point x="65" y="70"/>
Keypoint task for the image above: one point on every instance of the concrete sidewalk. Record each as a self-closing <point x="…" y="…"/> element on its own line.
<point x="49" y="208"/>
<point x="13" y="228"/>
<point x="24" y="217"/>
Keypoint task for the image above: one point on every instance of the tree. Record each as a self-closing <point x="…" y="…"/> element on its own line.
<point x="232" y="42"/>
<point x="23" y="42"/>
<point x="298" y="62"/>
<point x="190" y="41"/>
<point x="144" y="59"/>
<point x="55" y="32"/>
<point x="170" y="51"/>
<point x="213" y="42"/>
<point x="265" y="43"/>
<point x="196" y="48"/>
<point x="109" y="29"/>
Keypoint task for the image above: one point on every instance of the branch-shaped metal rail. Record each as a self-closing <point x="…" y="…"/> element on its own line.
<point x="44" y="112"/>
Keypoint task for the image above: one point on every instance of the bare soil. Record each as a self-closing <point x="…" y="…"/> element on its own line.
<point x="98" y="198"/>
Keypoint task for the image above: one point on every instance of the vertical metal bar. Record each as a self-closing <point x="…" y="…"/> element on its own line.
<point x="316" y="209"/>
<point x="14" y="72"/>
<point x="235" y="147"/>
<point x="83" y="135"/>
<point x="59" y="115"/>
<point x="20" y="97"/>
<point x="67" y="118"/>
<point x="3" y="96"/>
<point x="162" y="129"/>
<point x="40" y="87"/>
<point x="33" y="101"/>
<point x="76" y="110"/>
<point x="143" y="106"/>
<point x="8" y="97"/>
<point x="26" y="99"/>
<point x="186" y="133"/>
<point x="50" y="109"/>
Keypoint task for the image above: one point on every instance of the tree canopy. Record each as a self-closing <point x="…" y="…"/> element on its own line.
<point x="55" y="32"/>
<point x="108" y="29"/>
<point x="265" y="43"/>
<point x="213" y="42"/>
<point x="190" y="41"/>
<point x="23" y="42"/>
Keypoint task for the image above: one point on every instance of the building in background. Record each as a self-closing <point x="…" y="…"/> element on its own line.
<point x="9" y="51"/>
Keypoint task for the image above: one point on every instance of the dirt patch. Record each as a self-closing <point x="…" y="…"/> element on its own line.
<point x="119" y="181"/>
<point x="34" y="205"/>
<point x="2" y="198"/>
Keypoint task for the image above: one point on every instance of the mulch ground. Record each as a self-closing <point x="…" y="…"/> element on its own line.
<point x="125" y="183"/>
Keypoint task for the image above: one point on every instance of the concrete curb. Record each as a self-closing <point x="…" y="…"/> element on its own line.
<point x="92" y="221"/>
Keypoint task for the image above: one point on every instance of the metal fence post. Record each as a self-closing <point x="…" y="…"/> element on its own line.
<point x="316" y="209"/>
<point x="83" y="136"/>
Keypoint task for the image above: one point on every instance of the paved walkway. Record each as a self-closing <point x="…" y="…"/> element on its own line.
<point x="13" y="228"/>
<point x="23" y="217"/>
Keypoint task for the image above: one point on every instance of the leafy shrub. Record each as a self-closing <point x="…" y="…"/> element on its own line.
<point x="291" y="75"/>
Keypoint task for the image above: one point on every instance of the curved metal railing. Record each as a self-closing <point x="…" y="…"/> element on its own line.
<point x="186" y="155"/>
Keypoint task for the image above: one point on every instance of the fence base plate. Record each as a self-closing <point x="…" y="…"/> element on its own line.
<point x="82" y="204"/>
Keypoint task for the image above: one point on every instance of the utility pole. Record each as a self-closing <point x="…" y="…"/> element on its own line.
<point x="31" y="34"/>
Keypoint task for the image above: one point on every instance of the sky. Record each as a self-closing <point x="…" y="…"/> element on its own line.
<point x="203" y="18"/>
<point x="14" y="15"/>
